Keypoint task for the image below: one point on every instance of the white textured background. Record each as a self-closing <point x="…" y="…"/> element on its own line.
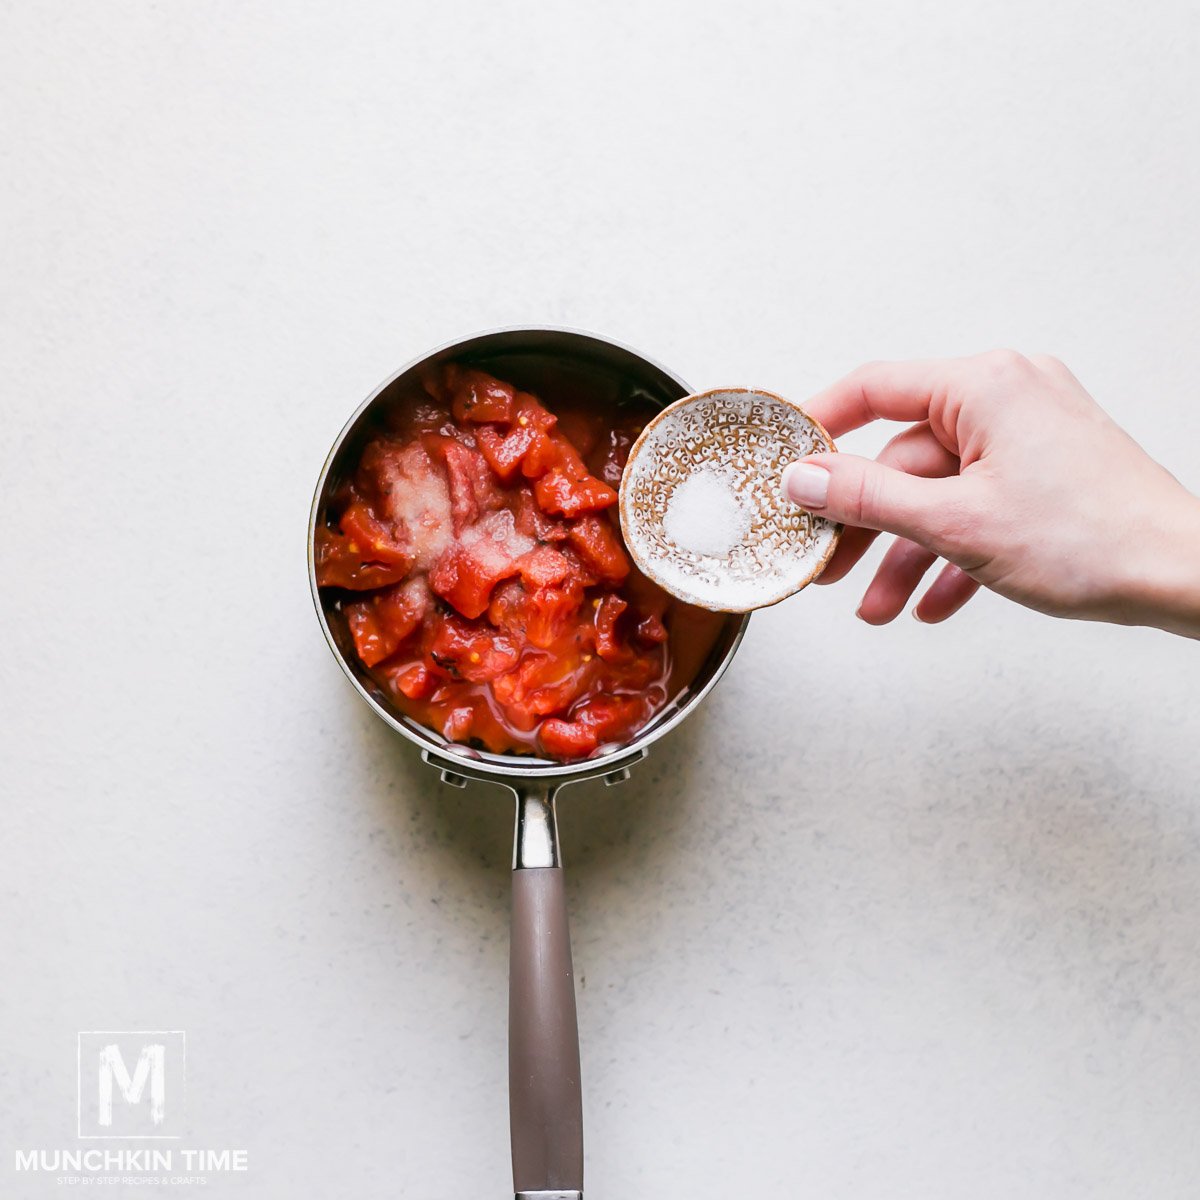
<point x="911" y="912"/>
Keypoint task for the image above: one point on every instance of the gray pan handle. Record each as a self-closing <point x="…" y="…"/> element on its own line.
<point x="545" y="1097"/>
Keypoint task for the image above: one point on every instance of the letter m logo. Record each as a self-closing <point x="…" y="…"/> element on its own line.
<point x="130" y="1083"/>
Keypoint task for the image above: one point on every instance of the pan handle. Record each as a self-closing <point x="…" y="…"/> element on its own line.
<point x="544" y="1093"/>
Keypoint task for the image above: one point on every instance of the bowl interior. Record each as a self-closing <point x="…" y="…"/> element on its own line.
<point x="549" y="363"/>
<point x="701" y="513"/>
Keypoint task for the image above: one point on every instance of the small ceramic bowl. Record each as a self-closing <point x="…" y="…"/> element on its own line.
<point x="730" y="447"/>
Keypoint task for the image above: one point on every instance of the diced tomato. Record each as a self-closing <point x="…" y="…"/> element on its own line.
<point x="547" y="448"/>
<point x="417" y="682"/>
<point x="611" y="716"/>
<point x="534" y="412"/>
<point x="381" y="623"/>
<point x="452" y="580"/>
<point x="542" y="455"/>
<point x="608" y="611"/>
<point x="372" y="641"/>
<point x="382" y="465"/>
<point x="428" y="413"/>
<point x="557" y="492"/>
<point x="458" y="723"/>
<point x="485" y="554"/>
<point x="362" y="554"/>
<point x="552" y="453"/>
<point x="541" y="616"/>
<point x="544" y="683"/>
<point x="567" y="739"/>
<point x="605" y="718"/>
<point x="545" y="567"/>
<point x="504" y="451"/>
<point x="531" y="521"/>
<point x="433" y="383"/>
<point x="651" y="630"/>
<point x="473" y="490"/>
<point x="457" y="579"/>
<point x="526" y="437"/>
<point x="471" y="650"/>
<point x="562" y="483"/>
<point x="373" y="536"/>
<point x="403" y="607"/>
<point x="507" y="607"/>
<point x="551" y="612"/>
<point x="340" y="564"/>
<point x="598" y="544"/>
<point x="411" y="490"/>
<point x="477" y="396"/>
<point x="464" y="509"/>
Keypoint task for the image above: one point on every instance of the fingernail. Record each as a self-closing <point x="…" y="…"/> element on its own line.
<point x="917" y="617"/>
<point x="806" y="484"/>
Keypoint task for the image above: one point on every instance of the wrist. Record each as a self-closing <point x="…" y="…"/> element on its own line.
<point x="1165" y="592"/>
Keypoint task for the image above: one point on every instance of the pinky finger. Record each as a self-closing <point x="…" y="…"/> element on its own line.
<point x="946" y="595"/>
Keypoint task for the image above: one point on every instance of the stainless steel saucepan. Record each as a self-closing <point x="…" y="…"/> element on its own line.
<point x="545" y="1096"/>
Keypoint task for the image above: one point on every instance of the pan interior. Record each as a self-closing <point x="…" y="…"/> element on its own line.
<point x="547" y="363"/>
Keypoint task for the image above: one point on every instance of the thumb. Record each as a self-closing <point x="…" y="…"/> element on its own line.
<point x="859" y="491"/>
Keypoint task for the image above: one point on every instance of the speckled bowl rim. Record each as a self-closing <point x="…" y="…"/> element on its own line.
<point x="646" y="566"/>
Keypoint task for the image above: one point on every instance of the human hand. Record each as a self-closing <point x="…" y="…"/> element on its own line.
<point x="1013" y="474"/>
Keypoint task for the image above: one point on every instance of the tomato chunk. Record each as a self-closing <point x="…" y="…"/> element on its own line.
<point x="382" y="622"/>
<point x="417" y="682"/>
<point x="545" y="567"/>
<point x="605" y="719"/>
<point x="531" y="521"/>
<point x="544" y="617"/>
<point x="478" y="397"/>
<point x="522" y="447"/>
<point x="412" y="492"/>
<point x="544" y="683"/>
<point x="558" y="492"/>
<point x="473" y="489"/>
<point x="567" y="739"/>
<point x="363" y="553"/>
<point x="651" y="630"/>
<point x="471" y="650"/>
<point x="608" y="612"/>
<point x="598" y="545"/>
<point x="372" y="642"/>
<point x="485" y="554"/>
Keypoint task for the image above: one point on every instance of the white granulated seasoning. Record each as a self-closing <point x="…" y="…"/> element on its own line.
<point x="705" y="516"/>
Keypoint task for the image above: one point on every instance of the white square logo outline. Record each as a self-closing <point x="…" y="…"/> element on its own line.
<point x="128" y="1137"/>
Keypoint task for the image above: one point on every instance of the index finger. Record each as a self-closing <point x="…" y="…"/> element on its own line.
<point x="893" y="391"/>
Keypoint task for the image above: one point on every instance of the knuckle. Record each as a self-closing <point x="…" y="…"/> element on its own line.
<point x="1006" y="363"/>
<point x="1048" y="363"/>
<point x="866" y="499"/>
<point x="862" y="375"/>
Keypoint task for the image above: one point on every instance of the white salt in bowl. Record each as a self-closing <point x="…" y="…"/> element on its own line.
<point x="702" y="509"/>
